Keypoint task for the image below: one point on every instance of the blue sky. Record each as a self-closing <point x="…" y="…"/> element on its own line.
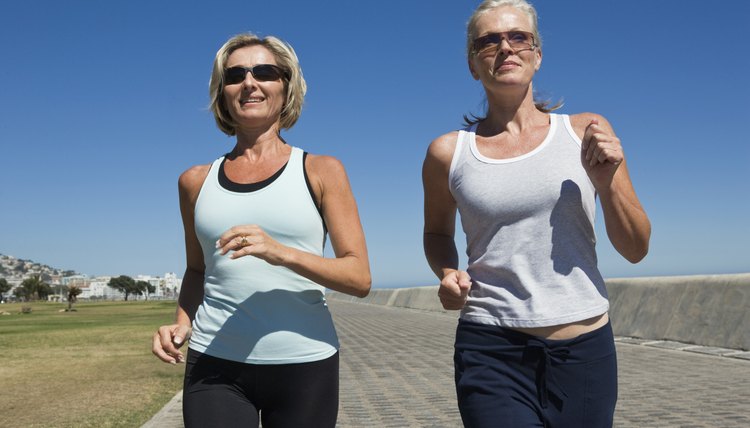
<point x="103" y="105"/>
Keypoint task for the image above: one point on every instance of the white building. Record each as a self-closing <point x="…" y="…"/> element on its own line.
<point x="172" y="284"/>
<point x="77" y="280"/>
<point x="166" y="287"/>
<point x="98" y="288"/>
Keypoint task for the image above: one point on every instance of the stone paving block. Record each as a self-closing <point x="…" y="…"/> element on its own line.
<point x="668" y="344"/>
<point x="710" y="350"/>
<point x="632" y="340"/>
<point x="397" y="371"/>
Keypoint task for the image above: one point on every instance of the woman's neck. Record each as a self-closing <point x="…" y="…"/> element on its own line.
<point x="510" y="111"/>
<point x="258" y="143"/>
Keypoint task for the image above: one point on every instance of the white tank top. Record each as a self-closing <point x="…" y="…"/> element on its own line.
<point x="529" y="224"/>
<point x="252" y="311"/>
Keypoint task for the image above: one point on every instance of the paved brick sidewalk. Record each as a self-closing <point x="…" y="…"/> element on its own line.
<point x="396" y="371"/>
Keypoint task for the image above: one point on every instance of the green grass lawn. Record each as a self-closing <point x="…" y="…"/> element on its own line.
<point x="89" y="368"/>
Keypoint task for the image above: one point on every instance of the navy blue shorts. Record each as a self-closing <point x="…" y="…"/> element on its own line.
<point x="505" y="378"/>
<point x="222" y="393"/>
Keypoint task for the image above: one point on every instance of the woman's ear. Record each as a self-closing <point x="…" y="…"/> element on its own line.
<point x="538" y="59"/>
<point x="471" y="70"/>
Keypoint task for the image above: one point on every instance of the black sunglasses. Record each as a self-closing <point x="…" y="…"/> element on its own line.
<point x="260" y="72"/>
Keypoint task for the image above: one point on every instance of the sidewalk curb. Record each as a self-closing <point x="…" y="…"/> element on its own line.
<point x="168" y="414"/>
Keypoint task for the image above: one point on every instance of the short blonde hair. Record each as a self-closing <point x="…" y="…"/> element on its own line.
<point x="295" y="87"/>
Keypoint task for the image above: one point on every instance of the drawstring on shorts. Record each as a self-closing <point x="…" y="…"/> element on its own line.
<point x="545" y="378"/>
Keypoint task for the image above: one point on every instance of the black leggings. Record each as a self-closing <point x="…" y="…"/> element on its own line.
<point x="223" y="393"/>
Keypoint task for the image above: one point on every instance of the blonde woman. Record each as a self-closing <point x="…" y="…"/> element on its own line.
<point x="262" y="344"/>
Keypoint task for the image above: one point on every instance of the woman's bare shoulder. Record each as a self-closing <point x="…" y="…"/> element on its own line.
<point x="324" y="165"/>
<point x="581" y="121"/>
<point x="442" y="147"/>
<point x="192" y="179"/>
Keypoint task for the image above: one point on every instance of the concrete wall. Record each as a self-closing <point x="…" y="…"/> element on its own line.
<point x="709" y="310"/>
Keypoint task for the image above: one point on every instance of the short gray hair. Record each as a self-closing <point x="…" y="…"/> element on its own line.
<point x="487" y="5"/>
<point x="471" y="34"/>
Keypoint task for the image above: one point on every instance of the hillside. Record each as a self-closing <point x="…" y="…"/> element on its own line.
<point x="12" y="268"/>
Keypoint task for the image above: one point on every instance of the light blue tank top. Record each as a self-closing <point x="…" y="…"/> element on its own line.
<point x="252" y="311"/>
<point x="529" y="224"/>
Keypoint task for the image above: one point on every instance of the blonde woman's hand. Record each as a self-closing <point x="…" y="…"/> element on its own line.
<point x="251" y="240"/>
<point x="167" y="341"/>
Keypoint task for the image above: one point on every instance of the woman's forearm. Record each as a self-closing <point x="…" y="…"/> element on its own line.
<point x="347" y="273"/>
<point x="191" y="296"/>
<point x="441" y="253"/>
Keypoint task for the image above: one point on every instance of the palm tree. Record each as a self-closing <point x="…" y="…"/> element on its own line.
<point x="31" y="287"/>
<point x="73" y="292"/>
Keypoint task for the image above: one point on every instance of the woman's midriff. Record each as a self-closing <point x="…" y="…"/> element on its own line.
<point x="567" y="331"/>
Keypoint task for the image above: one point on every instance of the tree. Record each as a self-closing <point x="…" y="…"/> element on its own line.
<point x="4" y="287"/>
<point x="151" y="289"/>
<point x="144" y="287"/>
<point x="139" y="288"/>
<point x="29" y="288"/>
<point x="34" y="288"/>
<point x="43" y="290"/>
<point x="73" y="292"/>
<point x="124" y="284"/>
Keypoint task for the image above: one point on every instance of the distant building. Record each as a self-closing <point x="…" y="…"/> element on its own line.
<point x="172" y="285"/>
<point x="167" y="287"/>
<point x="80" y="280"/>
<point x="98" y="288"/>
<point x="15" y="270"/>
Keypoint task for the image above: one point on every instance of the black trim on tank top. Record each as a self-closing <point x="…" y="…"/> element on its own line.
<point x="230" y="185"/>
<point x="312" y="194"/>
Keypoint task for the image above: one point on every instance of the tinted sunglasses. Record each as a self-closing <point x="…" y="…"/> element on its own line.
<point x="260" y="72"/>
<point x="517" y="40"/>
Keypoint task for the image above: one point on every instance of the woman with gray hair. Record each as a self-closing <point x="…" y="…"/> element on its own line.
<point x="262" y="344"/>
<point x="533" y="344"/>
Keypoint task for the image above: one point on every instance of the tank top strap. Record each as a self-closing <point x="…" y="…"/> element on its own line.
<point x="212" y="178"/>
<point x="213" y="171"/>
<point x="463" y="143"/>
<point x="295" y="158"/>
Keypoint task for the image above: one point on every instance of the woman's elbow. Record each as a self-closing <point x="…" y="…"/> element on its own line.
<point x="363" y="285"/>
<point x="633" y="246"/>
<point x="636" y="256"/>
<point x="636" y="253"/>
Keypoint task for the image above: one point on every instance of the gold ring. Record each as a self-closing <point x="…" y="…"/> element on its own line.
<point x="243" y="241"/>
